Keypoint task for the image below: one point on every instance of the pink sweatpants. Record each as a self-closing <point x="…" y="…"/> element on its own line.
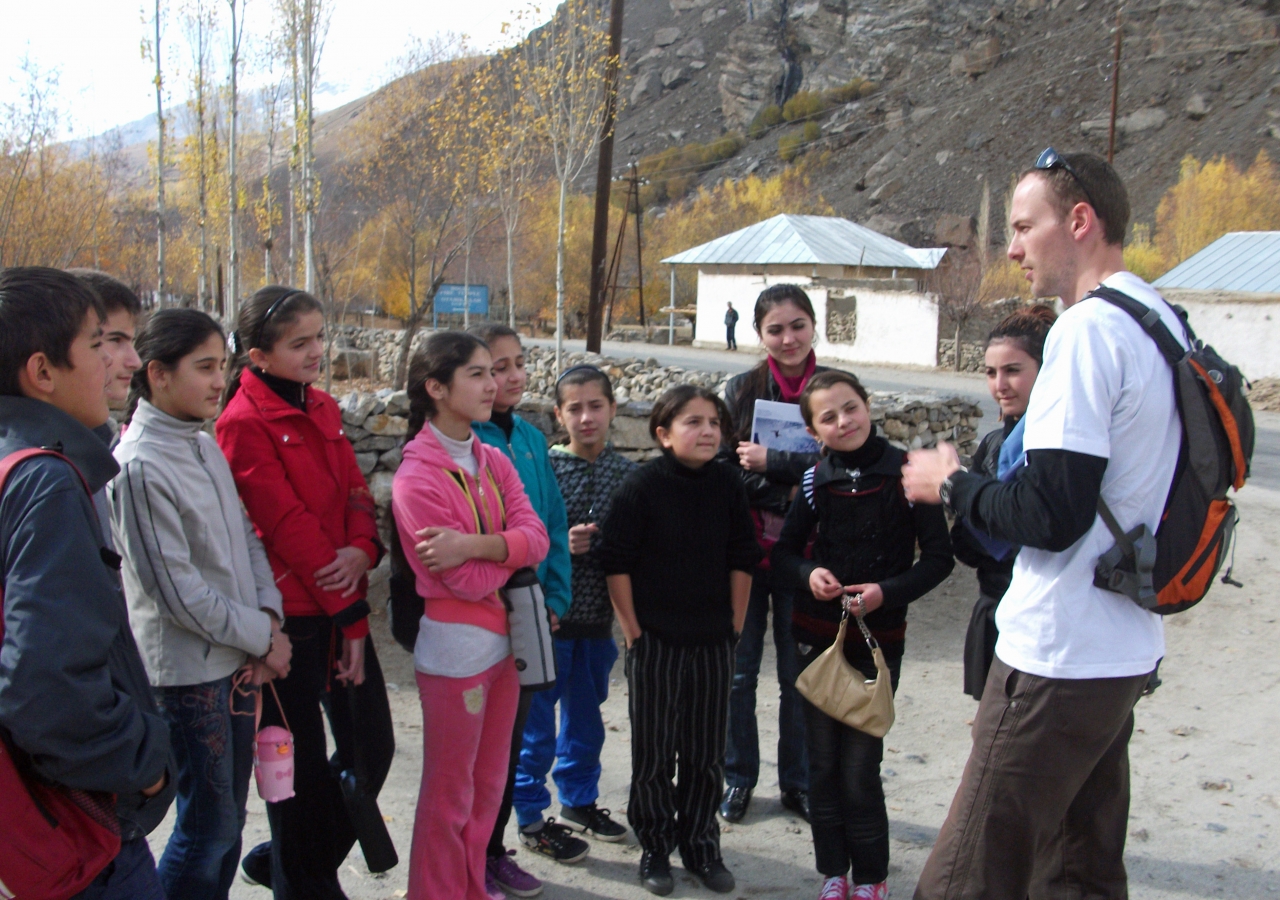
<point x="466" y="745"/>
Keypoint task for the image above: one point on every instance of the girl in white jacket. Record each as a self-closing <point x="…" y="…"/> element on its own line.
<point x="202" y="599"/>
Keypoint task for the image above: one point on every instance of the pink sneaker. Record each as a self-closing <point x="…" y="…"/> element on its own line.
<point x="502" y="874"/>
<point x="870" y="891"/>
<point x="835" y="889"/>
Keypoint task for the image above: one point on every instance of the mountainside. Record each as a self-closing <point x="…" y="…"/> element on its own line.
<point x="964" y="89"/>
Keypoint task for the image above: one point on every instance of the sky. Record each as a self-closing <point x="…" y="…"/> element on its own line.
<point x="94" y="47"/>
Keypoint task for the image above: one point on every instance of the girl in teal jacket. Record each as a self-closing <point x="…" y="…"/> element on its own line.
<point x="527" y="448"/>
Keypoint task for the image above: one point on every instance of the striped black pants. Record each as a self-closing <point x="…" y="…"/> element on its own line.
<point x="679" y="706"/>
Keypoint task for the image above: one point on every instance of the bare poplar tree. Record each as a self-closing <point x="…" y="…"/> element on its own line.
<point x="236" y="8"/>
<point x="159" y="83"/>
<point x="567" y="88"/>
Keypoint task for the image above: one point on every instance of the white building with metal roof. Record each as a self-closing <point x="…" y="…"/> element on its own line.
<point x="1231" y="291"/>
<point x="867" y="289"/>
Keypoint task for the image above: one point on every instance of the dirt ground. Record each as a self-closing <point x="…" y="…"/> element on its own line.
<point x="1206" y="786"/>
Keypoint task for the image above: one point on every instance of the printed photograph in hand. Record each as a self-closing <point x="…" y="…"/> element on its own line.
<point x="779" y="426"/>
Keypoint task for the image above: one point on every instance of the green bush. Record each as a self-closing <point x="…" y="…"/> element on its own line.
<point x="789" y="147"/>
<point x="803" y="105"/>
<point x="769" y="117"/>
<point x="849" y="91"/>
<point x="812" y="131"/>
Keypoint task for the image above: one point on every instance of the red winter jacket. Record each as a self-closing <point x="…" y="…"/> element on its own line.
<point x="300" y="483"/>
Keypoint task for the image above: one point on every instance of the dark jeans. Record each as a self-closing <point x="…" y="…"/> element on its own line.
<point x="846" y="798"/>
<point x="311" y="833"/>
<point x="730" y="340"/>
<point x="214" y="753"/>
<point x="1043" y="805"/>
<point x="496" y="847"/>
<point x="679" y="705"/>
<point x="742" y="752"/>
<point x="130" y="876"/>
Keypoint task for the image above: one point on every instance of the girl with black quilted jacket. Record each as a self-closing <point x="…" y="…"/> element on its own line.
<point x="864" y="535"/>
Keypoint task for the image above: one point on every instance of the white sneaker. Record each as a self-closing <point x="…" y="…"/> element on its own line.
<point x="835" y="889"/>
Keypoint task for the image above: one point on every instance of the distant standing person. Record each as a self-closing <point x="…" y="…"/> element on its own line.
<point x="731" y="325"/>
<point x="785" y="321"/>
<point x="1043" y="805"/>
<point x="1014" y="354"/>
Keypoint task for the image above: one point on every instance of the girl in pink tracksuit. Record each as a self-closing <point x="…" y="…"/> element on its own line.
<point x="460" y="505"/>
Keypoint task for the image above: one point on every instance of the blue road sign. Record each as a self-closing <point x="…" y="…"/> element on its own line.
<point x="450" y="299"/>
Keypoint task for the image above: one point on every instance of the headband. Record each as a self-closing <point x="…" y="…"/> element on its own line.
<point x="581" y="367"/>
<point x="236" y="343"/>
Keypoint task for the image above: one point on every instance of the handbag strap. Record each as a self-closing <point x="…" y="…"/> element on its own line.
<point x="240" y="684"/>
<point x="872" y="643"/>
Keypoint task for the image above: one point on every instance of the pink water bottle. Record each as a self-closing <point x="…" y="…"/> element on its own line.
<point x="273" y="764"/>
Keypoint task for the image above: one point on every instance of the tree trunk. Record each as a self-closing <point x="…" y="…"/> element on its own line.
<point x="560" y="279"/>
<point x="233" y="241"/>
<point x="159" y="298"/>
<point x="957" y="353"/>
<point x="511" y="281"/>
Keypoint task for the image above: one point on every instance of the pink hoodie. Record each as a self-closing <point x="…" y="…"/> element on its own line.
<point x="427" y="493"/>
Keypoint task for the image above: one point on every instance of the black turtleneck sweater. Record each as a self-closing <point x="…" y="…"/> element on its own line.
<point x="679" y="532"/>
<point x="292" y="392"/>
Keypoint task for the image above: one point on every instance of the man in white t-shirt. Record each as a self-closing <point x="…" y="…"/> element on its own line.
<point x="1043" y="806"/>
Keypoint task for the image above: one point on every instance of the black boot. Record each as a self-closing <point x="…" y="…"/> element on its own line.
<point x="798" y="802"/>
<point x="655" y="873"/>
<point x="734" y="806"/>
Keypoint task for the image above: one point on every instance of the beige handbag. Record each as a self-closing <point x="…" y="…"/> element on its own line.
<point x="839" y="690"/>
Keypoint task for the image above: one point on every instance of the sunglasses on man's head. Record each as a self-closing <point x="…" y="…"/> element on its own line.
<point x="1051" y="159"/>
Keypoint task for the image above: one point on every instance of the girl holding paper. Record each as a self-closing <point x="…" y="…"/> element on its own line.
<point x="785" y="321"/>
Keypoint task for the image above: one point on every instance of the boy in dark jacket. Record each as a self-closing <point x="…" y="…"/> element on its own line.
<point x="74" y="695"/>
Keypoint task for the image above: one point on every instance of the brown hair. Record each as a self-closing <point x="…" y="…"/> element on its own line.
<point x="261" y="323"/>
<point x="824" y="381"/>
<point x="584" y="374"/>
<point x="439" y="357"/>
<point x="115" y="294"/>
<point x="1027" y="328"/>
<point x="757" y="380"/>
<point x="673" y="402"/>
<point x="1092" y="180"/>
<point x="491" y="331"/>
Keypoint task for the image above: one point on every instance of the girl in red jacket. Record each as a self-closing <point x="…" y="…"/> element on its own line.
<point x="300" y="483"/>
<point x="461" y="505"/>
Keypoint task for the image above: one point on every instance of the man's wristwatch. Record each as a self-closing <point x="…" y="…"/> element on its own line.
<point x="944" y="490"/>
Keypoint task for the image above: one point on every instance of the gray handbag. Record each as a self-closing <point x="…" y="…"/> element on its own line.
<point x="530" y="626"/>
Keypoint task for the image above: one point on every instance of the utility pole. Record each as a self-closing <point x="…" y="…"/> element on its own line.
<point x="604" y="174"/>
<point x="635" y="193"/>
<point x="159" y="297"/>
<point x="1115" y="89"/>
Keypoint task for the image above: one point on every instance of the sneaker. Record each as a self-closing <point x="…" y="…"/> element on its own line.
<point x="870" y="891"/>
<point x="555" y="841"/>
<point x="835" y="889"/>
<point x="716" y="877"/>
<point x="501" y="873"/>
<point x="491" y="889"/>
<point x="594" y="821"/>
<point x="655" y="873"/>
<point x="255" y="868"/>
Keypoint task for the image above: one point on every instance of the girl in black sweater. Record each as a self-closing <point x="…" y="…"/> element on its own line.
<point x="864" y="541"/>
<point x="677" y="549"/>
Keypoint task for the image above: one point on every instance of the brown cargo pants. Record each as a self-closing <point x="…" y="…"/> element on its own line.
<point x="1043" y="806"/>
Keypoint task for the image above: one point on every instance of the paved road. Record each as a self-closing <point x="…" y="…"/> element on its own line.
<point x="1266" y="456"/>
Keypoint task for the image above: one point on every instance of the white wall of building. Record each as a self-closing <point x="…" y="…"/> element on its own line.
<point x="1245" y="333"/>
<point x="892" y="327"/>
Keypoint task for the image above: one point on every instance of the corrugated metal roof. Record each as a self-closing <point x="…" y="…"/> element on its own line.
<point x="1238" y="261"/>
<point x="806" y="240"/>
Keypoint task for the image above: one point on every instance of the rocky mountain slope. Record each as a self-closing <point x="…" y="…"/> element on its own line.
<point x="967" y="89"/>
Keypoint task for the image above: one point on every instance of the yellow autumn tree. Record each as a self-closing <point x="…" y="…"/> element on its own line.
<point x="1212" y="199"/>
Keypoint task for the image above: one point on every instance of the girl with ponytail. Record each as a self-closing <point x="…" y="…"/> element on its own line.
<point x="300" y="483"/>
<point x="461" y="506"/>
<point x="203" y="603"/>
<point x="1015" y="350"/>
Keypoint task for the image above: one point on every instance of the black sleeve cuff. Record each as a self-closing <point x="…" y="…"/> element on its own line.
<point x="352" y="614"/>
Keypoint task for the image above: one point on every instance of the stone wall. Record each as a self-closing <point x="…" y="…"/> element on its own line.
<point x="377" y="423"/>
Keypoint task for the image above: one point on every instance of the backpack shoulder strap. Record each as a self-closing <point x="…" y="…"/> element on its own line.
<point x="1148" y="318"/>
